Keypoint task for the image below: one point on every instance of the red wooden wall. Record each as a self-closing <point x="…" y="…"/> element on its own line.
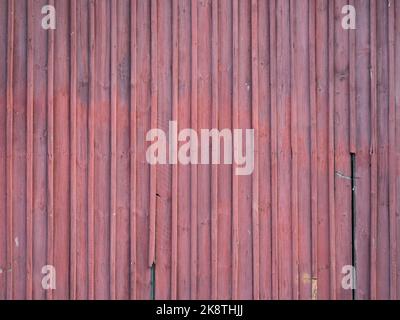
<point x="76" y="191"/>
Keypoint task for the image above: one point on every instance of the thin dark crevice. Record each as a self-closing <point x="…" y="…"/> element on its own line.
<point x="153" y="282"/>
<point x="353" y="223"/>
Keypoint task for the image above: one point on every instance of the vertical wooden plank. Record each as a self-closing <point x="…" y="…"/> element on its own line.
<point x="19" y="142"/>
<point x="172" y="155"/>
<point x="245" y="288"/>
<point x="123" y="114"/>
<point x="225" y="170"/>
<point x="284" y="149"/>
<point x="235" y="124"/>
<point x="102" y="138"/>
<point x="204" y="170"/>
<point x="353" y="139"/>
<point x="397" y="99"/>
<point x="274" y="151"/>
<point x="144" y="106"/>
<point x="214" y="168"/>
<point x="322" y="105"/>
<point x="29" y="154"/>
<point x="255" y="126"/>
<point x="10" y="150"/>
<point x="264" y="143"/>
<point x="303" y="80"/>
<point x="61" y="150"/>
<point x="113" y="173"/>
<point x="383" y="242"/>
<point x="82" y="147"/>
<point x="363" y="173"/>
<point x="352" y="85"/>
<point x="3" y="148"/>
<point x="133" y="150"/>
<point x="19" y="146"/>
<point x="73" y="152"/>
<point x="392" y="154"/>
<point x="193" y="173"/>
<point x="164" y="172"/>
<point x="50" y="151"/>
<point x="154" y="115"/>
<point x="313" y="148"/>
<point x="373" y="151"/>
<point x="184" y="184"/>
<point x="40" y="213"/>
<point x="331" y="148"/>
<point x="294" y="120"/>
<point x="91" y="122"/>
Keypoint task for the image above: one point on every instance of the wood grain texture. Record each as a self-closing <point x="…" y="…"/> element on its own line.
<point x="3" y="150"/>
<point x="77" y="193"/>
